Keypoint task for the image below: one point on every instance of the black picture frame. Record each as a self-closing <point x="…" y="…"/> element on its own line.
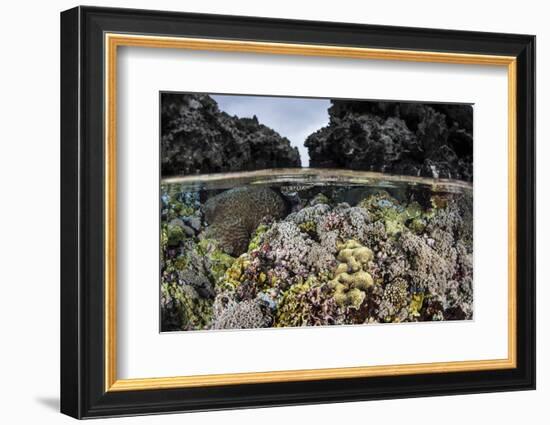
<point x="83" y="392"/>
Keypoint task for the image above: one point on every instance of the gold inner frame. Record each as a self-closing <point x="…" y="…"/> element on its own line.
<point x="113" y="41"/>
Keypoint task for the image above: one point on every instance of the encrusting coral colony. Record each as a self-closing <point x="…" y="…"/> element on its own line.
<point x="277" y="255"/>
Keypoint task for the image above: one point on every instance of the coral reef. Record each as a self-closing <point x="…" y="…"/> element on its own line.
<point x="182" y="308"/>
<point x="308" y="304"/>
<point x="249" y="262"/>
<point x="199" y="138"/>
<point x="430" y="140"/>
<point x="255" y="250"/>
<point x="395" y="300"/>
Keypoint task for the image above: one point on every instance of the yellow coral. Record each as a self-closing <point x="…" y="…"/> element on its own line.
<point x="363" y="254"/>
<point x="356" y="298"/>
<point x="362" y="280"/>
<point x="341" y="268"/>
<point x="416" y="304"/>
<point x="346" y="296"/>
<point x="234" y="275"/>
<point x="351" y="279"/>
<point x="341" y="297"/>
<point x="308" y="227"/>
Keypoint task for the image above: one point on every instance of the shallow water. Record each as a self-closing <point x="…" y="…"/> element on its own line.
<point x="316" y="177"/>
<point x="237" y="248"/>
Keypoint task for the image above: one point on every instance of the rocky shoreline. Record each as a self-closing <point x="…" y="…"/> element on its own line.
<point x="429" y="140"/>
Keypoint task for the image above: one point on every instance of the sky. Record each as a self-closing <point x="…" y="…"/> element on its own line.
<point x="293" y="118"/>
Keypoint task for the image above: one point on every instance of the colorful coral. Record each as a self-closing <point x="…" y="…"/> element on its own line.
<point x="311" y="303"/>
<point x="249" y="265"/>
<point x="182" y="308"/>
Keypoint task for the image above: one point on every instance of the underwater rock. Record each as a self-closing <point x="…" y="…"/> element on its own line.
<point x="199" y="138"/>
<point x="194" y="222"/>
<point x="398" y="138"/>
<point x="235" y="214"/>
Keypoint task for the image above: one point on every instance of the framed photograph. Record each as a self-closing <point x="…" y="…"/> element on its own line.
<point x="261" y="212"/>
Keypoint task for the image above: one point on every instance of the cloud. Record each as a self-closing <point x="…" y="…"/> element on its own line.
<point x="293" y="118"/>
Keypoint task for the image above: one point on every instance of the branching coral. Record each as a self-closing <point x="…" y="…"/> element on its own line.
<point x="247" y="314"/>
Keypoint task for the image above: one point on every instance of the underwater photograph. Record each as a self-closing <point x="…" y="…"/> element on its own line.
<point x="280" y="212"/>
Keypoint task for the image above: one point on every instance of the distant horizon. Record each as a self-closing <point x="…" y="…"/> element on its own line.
<point x="292" y="117"/>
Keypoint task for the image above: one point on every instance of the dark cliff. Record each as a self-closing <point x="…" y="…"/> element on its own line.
<point x="196" y="137"/>
<point x="429" y="140"/>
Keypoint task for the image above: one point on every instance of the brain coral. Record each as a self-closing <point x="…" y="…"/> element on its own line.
<point x="235" y="214"/>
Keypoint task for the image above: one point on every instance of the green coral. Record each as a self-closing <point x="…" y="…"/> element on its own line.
<point x="235" y="274"/>
<point x="183" y="308"/>
<point x="163" y="238"/>
<point x="177" y="208"/>
<point x="396" y="217"/>
<point x="180" y="263"/>
<point x="416" y="305"/>
<point x="174" y="235"/>
<point x="309" y="227"/>
<point x="180" y="209"/>
<point x="256" y="239"/>
<point x="293" y="309"/>
<point x="418" y="225"/>
<point x="309" y="303"/>
<point x="218" y="261"/>
<point x="382" y="206"/>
